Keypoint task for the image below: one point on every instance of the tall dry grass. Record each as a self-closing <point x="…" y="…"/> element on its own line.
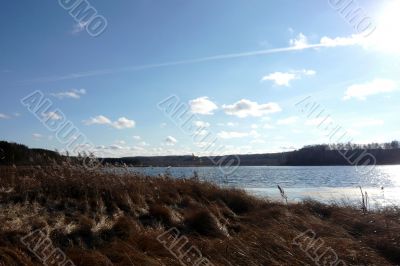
<point x="101" y="218"/>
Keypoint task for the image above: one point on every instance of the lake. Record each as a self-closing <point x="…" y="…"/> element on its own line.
<point x="323" y="183"/>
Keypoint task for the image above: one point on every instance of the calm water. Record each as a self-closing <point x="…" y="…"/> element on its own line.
<point x="325" y="183"/>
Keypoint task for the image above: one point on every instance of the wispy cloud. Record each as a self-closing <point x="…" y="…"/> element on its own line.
<point x="236" y="134"/>
<point x="377" y="86"/>
<point x="268" y="126"/>
<point x="229" y="124"/>
<point x="245" y="108"/>
<point x="51" y="116"/>
<point x="170" y="141"/>
<point x="79" y="27"/>
<point x="288" y="121"/>
<point x="4" y="116"/>
<point x="284" y="78"/>
<point x="369" y="123"/>
<point x="74" y="94"/>
<point x="319" y="121"/>
<point x="201" y="124"/>
<point x="299" y="43"/>
<point x="232" y="134"/>
<point x="37" y="136"/>
<point x="120" y="123"/>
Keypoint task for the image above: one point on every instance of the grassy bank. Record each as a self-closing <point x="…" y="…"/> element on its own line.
<point x="105" y="219"/>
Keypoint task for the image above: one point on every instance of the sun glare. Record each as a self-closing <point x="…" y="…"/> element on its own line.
<point x="387" y="35"/>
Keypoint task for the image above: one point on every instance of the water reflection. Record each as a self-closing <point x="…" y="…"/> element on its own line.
<point x="322" y="183"/>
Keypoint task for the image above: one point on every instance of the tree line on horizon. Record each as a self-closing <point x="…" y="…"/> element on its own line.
<point x="322" y="154"/>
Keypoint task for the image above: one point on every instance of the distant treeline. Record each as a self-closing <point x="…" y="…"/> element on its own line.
<point x="338" y="154"/>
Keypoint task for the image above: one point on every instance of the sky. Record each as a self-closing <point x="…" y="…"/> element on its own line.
<point x="244" y="71"/>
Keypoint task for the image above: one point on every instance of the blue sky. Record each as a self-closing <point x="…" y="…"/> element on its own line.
<point x="240" y="67"/>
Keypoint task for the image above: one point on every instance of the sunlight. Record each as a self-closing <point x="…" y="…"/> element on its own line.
<point x="386" y="37"/>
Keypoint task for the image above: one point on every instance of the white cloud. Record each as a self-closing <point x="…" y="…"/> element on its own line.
<point x="201" y="124"/>
<point x="137" y="137"/>
<point x="254" y="134"/>
<point x="287" y="121"/>
<point x="268" y="126"/>
<point x="201" y="128"/>
<point x="377" y="86"/>
<point x="37" y="136"/>
<point x="284" y="78"/>
<point x="204" y="144"/>
<point x="202" y="106"/>
<point x="73" y="94"/>
<point x="319" y="121"/>
<point x="265" y="118"/>
<point x="51" y="116"/>
<point x="116" y="147"/>
<point x="163" y="125"/>
<point x="98" y="120"/>
<point x="170" y="141"/>
<point x="383" y="39"/>
<point x="79" y="27"/>
<point x="352" y="132"/>
<point x="143" y="143"/>
<point x="229" y="124"/>
<point x="300" y="42"/>
<point x="4" y="116"/>
<point x="257" y="141"/>
<point x="341" y="41"/>
<point x="369" y="123"/>
<point x="120" y="123"/>
<point x="245" y="108"/>
<point x="201" y="132"/>
<point x="232" y="134"/>
<point x="123" y="122"/>
<point x="280" y="78"/>
<point x="308" y="72"/>
<point x="235" y="134"/>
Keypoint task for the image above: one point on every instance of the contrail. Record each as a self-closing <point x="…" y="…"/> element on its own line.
<point x="174" y="63"/>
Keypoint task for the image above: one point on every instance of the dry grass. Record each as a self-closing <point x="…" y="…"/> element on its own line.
<point x="107" y="219"/>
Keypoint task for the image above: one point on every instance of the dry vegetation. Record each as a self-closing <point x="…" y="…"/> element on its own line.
<point x="109" y="219"/>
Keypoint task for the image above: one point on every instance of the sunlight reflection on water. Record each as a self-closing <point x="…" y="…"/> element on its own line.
<point x="324" y="183"/>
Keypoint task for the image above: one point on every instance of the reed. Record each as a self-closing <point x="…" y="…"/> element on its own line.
<point x="114" y="218"/>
